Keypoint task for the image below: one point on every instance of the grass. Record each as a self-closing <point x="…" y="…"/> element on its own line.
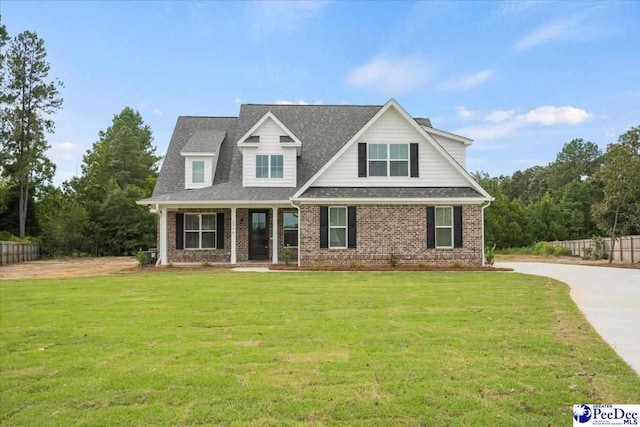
<point x="222" y="348"/>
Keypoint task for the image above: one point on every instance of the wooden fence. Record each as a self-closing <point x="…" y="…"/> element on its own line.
<point x="13" y="252"/>
<point x="627" y="248"/>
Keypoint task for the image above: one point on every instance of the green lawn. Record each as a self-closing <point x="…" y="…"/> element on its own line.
<point x="220" y="348"/>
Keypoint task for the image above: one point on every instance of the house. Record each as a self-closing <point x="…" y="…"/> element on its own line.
<point x="333" y="184"/>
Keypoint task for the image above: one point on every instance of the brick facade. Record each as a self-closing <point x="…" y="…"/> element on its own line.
<point x="198" y="255"/>
<point x="381" y="231"/>
<point x="386" y="229"/>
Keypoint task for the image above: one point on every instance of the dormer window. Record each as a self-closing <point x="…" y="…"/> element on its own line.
<point x="197" y="172"/>
<point x="269" y="166"/>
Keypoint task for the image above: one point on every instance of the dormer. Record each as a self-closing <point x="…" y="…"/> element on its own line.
<point x="269" y="154"/>
<point x="200" y="155"/>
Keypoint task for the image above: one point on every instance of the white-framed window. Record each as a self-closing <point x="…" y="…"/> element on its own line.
<point x="200" y="231"/>
<point x="290" y="225"/>
<point x="197" y="172"/>
<point x="444" y="227"/>
<point x="388" y="159"/>
<point x="277" y="166"/>
<point x="262" y="166"/>
<point x="269" y="166"/>
<point x="337" y="227"/>
<point x="398" y="159"/>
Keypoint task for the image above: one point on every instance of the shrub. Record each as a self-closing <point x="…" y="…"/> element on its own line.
<point x="489" y="254"/>
<point x="393" y="259"/>
<point x="596" y="251"/>
<point x="142" y="258"/>
<point x="562" y="251"/>
<point x="287" y="254"/>
<point x="543" y="248"/>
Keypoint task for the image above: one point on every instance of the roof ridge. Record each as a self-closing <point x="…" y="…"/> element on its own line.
<point x="315" y="105"/>
<point x="211" y="117"/>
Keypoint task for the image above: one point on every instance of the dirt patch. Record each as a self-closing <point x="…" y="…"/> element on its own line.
<point x="68" y="267"/>
<point x="564" y="260"/>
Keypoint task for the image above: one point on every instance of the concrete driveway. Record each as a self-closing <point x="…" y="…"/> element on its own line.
<point x="609" y="298"/>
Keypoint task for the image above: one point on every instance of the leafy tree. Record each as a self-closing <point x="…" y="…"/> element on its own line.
<point x="120" y="168"/>
<point x="528" y="186"/>
<point x="577" y="161"/>
<point x="28" y="100"/>
<point x="63" y="221"/>
<point x="619" y="209"/>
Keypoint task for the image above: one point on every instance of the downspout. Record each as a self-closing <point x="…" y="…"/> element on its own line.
<point x="299" y="228"/>
<point x="159" y="260"/>
<point x="482" y="216"/>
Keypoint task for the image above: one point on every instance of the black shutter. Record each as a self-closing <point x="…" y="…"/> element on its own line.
<point x="362" y="159"/>
<point x="220" y="231"/>
<point x="324" y="226"/>
<point x="351" y="218"/>
<point x="413" y="157"/>
<point x="431" y="227"/>
<point x="179" y="231"/>
<point x="457" y="226"/>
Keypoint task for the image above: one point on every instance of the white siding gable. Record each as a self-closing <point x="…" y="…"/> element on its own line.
<point x="188" y="171"/>
<point x="392" y="128"/>
<point x="269" y="133"/>
<point x="453" y="147"/>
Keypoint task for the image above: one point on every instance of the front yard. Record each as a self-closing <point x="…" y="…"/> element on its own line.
<point x="215" y="347"/>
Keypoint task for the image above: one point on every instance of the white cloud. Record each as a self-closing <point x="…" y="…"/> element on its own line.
<point x="465" y="113"/>
<point x="157" y="111"/>
<point x="499" y="116"/>
<point x="505" y="124"/>
<point x="277" y="16"/>
<point x="238" y="100"/>
<point x="591" y="23"/>
<point x="467" y="81"/>
<point x="550" y="115"/>
<point x="64" y="151"/>
<point x="389" y="75"/>
<point x="548" y="33"/>
<point x="297" y="102"/>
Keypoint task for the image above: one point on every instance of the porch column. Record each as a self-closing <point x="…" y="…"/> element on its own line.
<point x="233" y="236"/>
<point x="274" y="240"/>
<point x="163" y="237"/>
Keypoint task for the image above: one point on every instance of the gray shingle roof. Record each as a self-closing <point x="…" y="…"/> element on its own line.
<point x="323" y="130"/>
<point x="171" y="177"/>
<point x="389" y="192"/>
<point x="204" y="141"/>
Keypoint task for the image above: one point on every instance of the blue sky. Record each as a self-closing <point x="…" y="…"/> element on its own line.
<point x="520" y="78"/>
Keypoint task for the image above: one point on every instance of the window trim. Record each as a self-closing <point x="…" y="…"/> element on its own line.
<point x="436" y="226"/>
<point x="297" y="229"/>
<point x="345" y="227"/>
<point x="388" y="159"/>
<point x="193" y="163"/>
<point x="269" y="166"/>
<point x="200" y="231"/>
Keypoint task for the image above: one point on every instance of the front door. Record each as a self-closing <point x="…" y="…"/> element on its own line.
<point x="258" y="236"/>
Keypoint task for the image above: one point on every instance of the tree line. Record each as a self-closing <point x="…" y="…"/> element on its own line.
<point x="584" y="192"/>
<point x="94" y="213"/>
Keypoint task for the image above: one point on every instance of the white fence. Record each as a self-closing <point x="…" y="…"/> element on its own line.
<point x="14" y="252"/>
<point x="627" y="248"/>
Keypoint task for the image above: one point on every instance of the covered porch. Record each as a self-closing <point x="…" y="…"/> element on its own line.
<point x="231" y="234"/>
